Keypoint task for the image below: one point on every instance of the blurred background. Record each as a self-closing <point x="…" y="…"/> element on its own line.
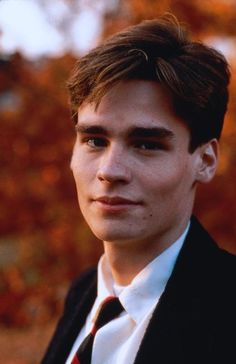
<point x="44" y="242"/>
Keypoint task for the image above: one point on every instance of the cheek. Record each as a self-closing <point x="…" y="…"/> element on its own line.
<point x="169" y="179"/>
<point x="80" y="175"/>
<point x="84" y="176"/>
<point x="79" y="165"/>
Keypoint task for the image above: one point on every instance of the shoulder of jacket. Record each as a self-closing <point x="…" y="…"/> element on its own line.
<point x="80" y="285"/>
<point x="227" y="260"/>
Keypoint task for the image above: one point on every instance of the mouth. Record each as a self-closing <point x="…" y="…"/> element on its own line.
<point x="115" y="204"/>
<point x="115" y="200"/>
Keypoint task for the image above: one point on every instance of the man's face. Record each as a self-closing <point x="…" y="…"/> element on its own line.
<point x="134" y="176"/>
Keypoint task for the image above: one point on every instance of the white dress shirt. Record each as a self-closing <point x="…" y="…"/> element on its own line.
<point x="118" y="341"/>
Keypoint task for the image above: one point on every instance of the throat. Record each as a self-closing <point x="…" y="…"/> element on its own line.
<point x="126" y="263"/>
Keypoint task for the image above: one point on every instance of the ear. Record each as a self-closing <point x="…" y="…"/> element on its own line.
<point x="208" y="161"/>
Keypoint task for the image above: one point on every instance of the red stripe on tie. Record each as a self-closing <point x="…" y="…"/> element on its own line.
<point x="75" y="360"/>
<point x="108" y="310"/>
<point x="94" y="330"/>
<point x="106" y="300"/>
<point x="109" y="298"/>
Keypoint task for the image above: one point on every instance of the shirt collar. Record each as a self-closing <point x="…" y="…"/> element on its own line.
<point x="141" y="296"/>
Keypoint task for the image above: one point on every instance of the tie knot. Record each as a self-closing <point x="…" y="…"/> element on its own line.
<point x="109" y="310"/>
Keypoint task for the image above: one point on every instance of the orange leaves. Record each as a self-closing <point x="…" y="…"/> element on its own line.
<point x="50" y="175"/>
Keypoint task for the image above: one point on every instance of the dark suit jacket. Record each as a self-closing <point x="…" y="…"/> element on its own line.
<point x="194" y="321"/>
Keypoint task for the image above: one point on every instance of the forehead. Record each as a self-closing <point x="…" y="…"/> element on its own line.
<point x="132" y="103"/>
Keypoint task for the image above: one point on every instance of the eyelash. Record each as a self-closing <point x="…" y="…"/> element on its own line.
<point x="97" y="142"/>
<point x="150" y="145"/>
<point x="88" y="141"/>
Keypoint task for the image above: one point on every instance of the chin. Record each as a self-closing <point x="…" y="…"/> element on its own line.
<point x="106" y="236"/>
<point x="111" y="235"/>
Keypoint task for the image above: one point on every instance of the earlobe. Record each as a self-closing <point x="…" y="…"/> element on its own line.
<point x="208" y="161"/>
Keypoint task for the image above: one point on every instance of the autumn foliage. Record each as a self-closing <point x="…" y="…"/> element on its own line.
<point x="44" y="241"/>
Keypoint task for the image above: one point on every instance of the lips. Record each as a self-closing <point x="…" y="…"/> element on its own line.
<point x="113" y="201"/>
<point x="115" y="205"/>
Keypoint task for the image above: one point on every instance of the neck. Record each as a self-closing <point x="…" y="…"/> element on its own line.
<point x="127" y="259"/>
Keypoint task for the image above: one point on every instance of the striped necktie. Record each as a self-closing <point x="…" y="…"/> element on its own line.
<point x="110" y="309"/>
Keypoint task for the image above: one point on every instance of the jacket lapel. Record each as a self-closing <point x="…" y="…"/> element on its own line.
<point x="177" y="324"/>
<point x="72" y="321"/>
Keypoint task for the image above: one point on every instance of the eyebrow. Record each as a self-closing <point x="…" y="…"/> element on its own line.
<point x="156" y="132"/>
<point x="132" y="132"/>
<point x="94" y="129"/>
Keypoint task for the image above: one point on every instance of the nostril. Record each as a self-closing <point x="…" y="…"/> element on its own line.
<point x="111" y="175"/>
<point x="101" y="178"/>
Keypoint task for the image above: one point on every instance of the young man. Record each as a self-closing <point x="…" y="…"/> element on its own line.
<point x="149" y="105"/>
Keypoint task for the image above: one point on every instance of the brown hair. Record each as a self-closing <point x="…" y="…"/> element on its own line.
<point x="159" y="50"/>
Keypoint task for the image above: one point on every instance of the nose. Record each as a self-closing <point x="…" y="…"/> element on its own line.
<point x="114" y="166"/>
